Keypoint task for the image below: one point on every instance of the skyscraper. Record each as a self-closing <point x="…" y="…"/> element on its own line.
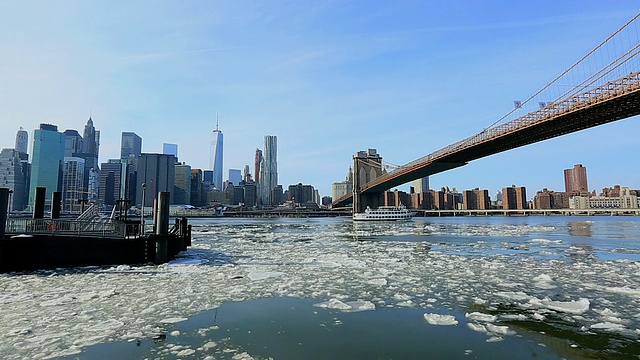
<point x="130" y="146"/>
<point x="235" y="176"/>
<point x="157" y="171"/>
<point x="575" y="180"/>
<point x="182" y="184"/>
<point x="421" y="185"/>
<point x="216" y="156"/>
<point x="48" y="156"/>
<point x="170" y="149"/>
<point x="13" y="177"/>
<point x="91" y="139"/>
<point x="73" y="143"/>
<point x="256" y="165"/>
<point x="22" y="140"/>
<point x="269" y="170"/>
<point x="73" y="184"/>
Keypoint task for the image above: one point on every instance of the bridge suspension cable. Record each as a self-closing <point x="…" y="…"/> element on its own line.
<point x="617" y="68"/>
<point x="591" y="80"/>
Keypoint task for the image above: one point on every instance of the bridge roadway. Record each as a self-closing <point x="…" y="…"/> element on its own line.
<point x="615" y="100"/>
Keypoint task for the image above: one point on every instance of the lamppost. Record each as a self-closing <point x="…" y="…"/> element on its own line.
<point x="9" y="210"/>
<point x="144" y="192"/>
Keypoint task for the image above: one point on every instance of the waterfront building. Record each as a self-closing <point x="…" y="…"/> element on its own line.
<point x="301" y="194"/>
<point x="235" y="176"/>
<point x="13" y="177"/>
<point x="73" y="143"/>
<point x="269" y="172"/>
<point x="546" y="199"/>
<point x="157" y="171"/>
<point x="575" y="180"/>
<point x="276" y="195"/>
<point x="326" y="200"/>
<point x="342" y="188"/>
<point x="443" y="200"/>
<point x="22" y="141"/>
<point x="250" y="193"/>
<point x="397" y="198"/>
<point x="73" y="184"/>
<point x="215" y="161"/>
<point x="628" y="199"/>
<point x="48" y="157"/>
<point x="514" y="198"/>
<point x="130" y="146"/>
<point x="182" y="184"/>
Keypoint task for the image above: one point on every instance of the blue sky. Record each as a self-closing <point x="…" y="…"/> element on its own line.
<point x="328" y="78"/>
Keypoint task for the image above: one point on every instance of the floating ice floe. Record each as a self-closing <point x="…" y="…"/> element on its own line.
<point x="546" y="241"/>
<point x="437" y="319"/>
<point x="262" y="275"/>
<point x="173" y="320"/>
<point x="352" y="306"/>
<point x="478" y="316"/>
<point x="575" y="307"/>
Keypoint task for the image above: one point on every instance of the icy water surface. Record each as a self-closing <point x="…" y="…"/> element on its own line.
<point x="464" y="287"/>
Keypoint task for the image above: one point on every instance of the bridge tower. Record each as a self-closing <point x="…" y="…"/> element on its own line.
<point x="367" y="166"/>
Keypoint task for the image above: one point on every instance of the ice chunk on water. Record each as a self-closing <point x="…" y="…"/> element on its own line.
<point x="262" y="275"/>
<point x="477" y="327"/>
<point x="608" y="326"/>
<point x="334" y="304"/>
<point x="173" y="320"/>
<point x="575" y="307"/>
<point x="499" y="330"/>
<point x="437" y="319"/>
<point x="478" y="316"/>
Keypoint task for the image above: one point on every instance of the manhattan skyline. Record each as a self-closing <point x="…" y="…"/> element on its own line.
<point x="405" y="78"/>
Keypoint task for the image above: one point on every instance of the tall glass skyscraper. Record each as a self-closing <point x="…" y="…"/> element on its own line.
<point x="269" y="169"/>
<point x="216" y="156"/>
<point x="130" y="146"/>
<point x="48" y="157"/>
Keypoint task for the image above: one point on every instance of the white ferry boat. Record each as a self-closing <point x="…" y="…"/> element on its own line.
<point x="384" y="213"/>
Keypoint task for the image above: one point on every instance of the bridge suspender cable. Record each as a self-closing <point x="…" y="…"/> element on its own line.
<point x="566" y="71"/>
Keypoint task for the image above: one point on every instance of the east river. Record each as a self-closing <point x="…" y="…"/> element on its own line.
<point x="328" y="288"/>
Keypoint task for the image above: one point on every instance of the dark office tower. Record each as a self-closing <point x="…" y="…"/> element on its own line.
<point x="157" y="171"/>
<point x="72" y="143"/>
<point x="22" y="141"/>
<point x="575" y="180"/>
<point x="182" y="184"/>
<point x="48" y="157"/>
<point x="130" y="146"/>
<point x="110" y="182"/>
<point x="91" y="139"/>
<point x="256" y="166"/>
<point x="196" y="187"/>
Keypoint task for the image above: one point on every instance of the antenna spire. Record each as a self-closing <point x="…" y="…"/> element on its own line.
<point x="216" y="120"/>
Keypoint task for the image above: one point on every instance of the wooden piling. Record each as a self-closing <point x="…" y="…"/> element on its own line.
<point x="38" y="204"/>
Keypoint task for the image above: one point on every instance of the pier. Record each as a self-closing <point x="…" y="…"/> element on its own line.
<point x="90" y="240"/>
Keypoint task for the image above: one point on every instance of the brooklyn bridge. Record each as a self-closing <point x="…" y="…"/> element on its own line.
<point x="577" y="99"/>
